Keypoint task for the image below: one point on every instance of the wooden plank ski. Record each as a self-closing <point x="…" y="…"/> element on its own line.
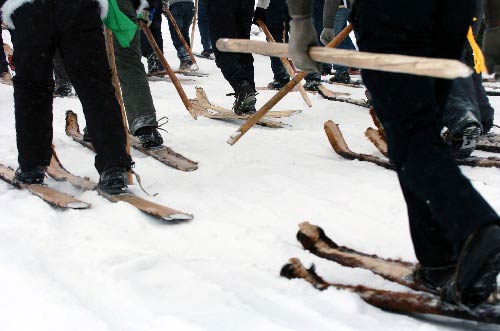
<point x="59" y="173"/>
<point x="163" y="154"/>
<point x="295" y="89"/>
<point x="357" y="84"/>
<point x="340" y="146"/>
<point x="376" y="138"/>
<point x="204" y="107"/>
<point x="47" y="194"/>
<point x="335" y="96"/>
<point x="211" y="57"/>
<point x="405" y="302"/>
<point x="489" y="142"/>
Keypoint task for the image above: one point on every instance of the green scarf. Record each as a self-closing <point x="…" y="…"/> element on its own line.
<point x="122" y="27"/>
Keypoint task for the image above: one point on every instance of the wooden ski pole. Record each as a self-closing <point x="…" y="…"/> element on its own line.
<point x="281" y="93"/>
<point x="413" y="65"/>
<point x="110" y="50"/>
<point x="195" y="19"/>
<point x="168" y="69"/>
<point x="286" y="63"/>
<point x="170" y="17"/>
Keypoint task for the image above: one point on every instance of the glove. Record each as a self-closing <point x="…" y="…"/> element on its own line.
<point x="327" y="35"/>
<point x="302" y="36"/>
<point x="491" y="49"/>
<point x="146" y="16"/>
<point x="259" y="15"/>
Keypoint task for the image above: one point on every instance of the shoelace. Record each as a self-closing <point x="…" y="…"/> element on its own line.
<point x="160" y="124"/>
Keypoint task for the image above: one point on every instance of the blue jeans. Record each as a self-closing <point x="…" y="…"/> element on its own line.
<point x="203" y="24"/>
<point x="339" y="24"/>
<point x="277" y="18"/>
<point x="183" y="13"/>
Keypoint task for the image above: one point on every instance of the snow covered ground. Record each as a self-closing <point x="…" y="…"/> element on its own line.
<point x="113" y="268"/>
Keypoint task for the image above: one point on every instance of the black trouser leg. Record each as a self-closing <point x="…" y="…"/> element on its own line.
<point x="33" y="83"/>
<point x="276" y="16"/>
<point x="155" y="28"/>
<point x="88" y="69"/>
<point x="232" y="19"/>
<point x="443" y="207"/>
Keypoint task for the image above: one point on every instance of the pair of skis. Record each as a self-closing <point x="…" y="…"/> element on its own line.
<point x="64" y="201"/>
<point x="421" y="301"/>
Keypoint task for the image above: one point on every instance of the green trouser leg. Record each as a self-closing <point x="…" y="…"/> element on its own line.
<point x="133" y="80"/>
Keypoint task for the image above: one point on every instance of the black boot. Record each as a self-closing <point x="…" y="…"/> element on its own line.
<point x="478" y="266"/>
<point x="245" y="99"/>
<point x="34" y="175"/>
<point x="342" y="77"/>
<point x="207" y="53"/>
<point x="277" y="84"/>
<point x="434" y="278"/>
<point x="185" y="65"/>
<point x="464" y="142"/>
<point x="312" y="85"/>
<point x="63" y="91"/>
<point x="113" y="180"/>
<point x="149" y="137"/>
<point x="154" y="64"/>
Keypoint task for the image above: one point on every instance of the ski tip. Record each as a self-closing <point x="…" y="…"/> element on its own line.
<point x="78" y="205"/>
<point x="178" y="217"/>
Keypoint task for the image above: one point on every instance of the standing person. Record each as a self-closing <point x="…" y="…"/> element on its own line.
<point x="491" y="38"/>
<point x="40" y="31"/>
<point x="233" y="19"/>
<point x="332" y="26"/>
<point x="183" y="13"/>
<point x="204" y="28"/>
<point x="155" y="9"/>
<point x="455" y="233"/>
<point x="63" y="87"/>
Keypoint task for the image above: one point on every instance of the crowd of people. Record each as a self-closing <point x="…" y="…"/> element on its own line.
<point x="456" y="234"/>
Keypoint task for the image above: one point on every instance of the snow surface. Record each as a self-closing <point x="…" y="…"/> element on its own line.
<point x="114" y="268"/>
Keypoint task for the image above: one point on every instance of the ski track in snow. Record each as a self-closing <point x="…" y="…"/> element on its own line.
<point x="114" y="268"/>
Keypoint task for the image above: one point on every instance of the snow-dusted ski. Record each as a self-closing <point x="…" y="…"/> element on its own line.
<point x="211" y="57"/>
<point x="404" y="302"/>
<point x="203" y="107"/>
<point x="59" y="173"/>
<point x="359" y="85"/>
<point x="341" y="148"/>
<point x="164" y="154"/>
<point x="489" y="142"/>
<point x="51" y="196"/>
<point x="336" y="96"/>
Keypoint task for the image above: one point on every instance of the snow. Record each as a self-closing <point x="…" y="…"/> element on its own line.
<point x="114" y="268"/>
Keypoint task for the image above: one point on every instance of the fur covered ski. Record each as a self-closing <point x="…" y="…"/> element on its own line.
<point x="164" y="154"/>
<point x="59" y="173"/>
<point x="357" y="84"/>
<point x="336" y="96"/>
<point x="340" y="146"/>
<point x="9" y="53"/>
<point x="211" y="57"/>
<point x="489" y="142"/>
<point x="203" y="107"/>
<point x="47" y="194"/>
<point x="405" y="302"/>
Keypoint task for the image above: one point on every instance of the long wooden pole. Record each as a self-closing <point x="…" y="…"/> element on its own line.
<point x="286" y="63"/>
<point x="195" y="19"/>
<point x="281" y="93"/>
<point x="110" y="50"/>
<point x="168" y="69"/>
<point x="171" y="18"/>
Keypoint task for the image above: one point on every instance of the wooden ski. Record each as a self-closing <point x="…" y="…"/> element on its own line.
<point x="163" y="154"/>
<point x="47" y="194"/>
<point x="336" y="96"/>
<point x="204" y="107"/>
<point x="59" y="173"/>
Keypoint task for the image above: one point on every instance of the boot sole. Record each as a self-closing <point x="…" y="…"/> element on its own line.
<point x="469" y="141"/>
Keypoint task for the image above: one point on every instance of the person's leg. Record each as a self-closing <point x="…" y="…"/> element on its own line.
<point x="133" y="81"/>
<point x="177" y="11"/>
<point x="33" y="83"/>
<point x="340" y="23"/>
<point x="203" y="25"/>
<point x="275" y="24"/>
<point x="187" y="20"/>
<point x="90" y="73"/>
<point x="425" y="166"/>
<point x="223" y="24"/>
<point x="63" y="84"/>
<point x="244" y="16"/>
<point x="485" y="108"/>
